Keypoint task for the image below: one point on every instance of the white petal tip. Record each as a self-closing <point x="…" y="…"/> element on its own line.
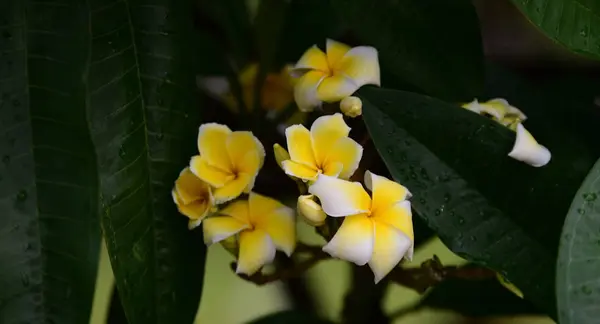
<point x="527" y="149"/>
<point x="194" y="223"/>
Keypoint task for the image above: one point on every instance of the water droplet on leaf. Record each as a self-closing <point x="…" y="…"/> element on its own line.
<point x="22" y="195"/>
<point x="590" y="196"/>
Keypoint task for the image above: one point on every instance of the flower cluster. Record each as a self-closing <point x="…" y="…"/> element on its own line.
<point x="526" y="148"/>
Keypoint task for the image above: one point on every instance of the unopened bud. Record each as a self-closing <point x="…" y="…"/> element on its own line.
<point x="351" y="106"/>
<point x="280" y="154"/>
<point x="310" y="210"/>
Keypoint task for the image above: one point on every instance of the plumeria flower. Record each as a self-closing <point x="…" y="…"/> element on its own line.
<point x="228" y="161"/>
<point x="193" y="197"/>
<point x="263" y="225"/>
<point x="376" y="230"/>
<point x="528" y="150"/>
<point x="325" y="149"/>
<point x="332" y="76"/>
<point x="499" y="110"/>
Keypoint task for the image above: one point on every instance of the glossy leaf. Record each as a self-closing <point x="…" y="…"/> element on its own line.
<point x="484" y="205"/>
<point x="144" y="119"/>
<point x="574" y="24"/>
<point x="290" y="317"/>
<point x="578" y="269"/>
<point x="49" y="233"/>
<point x="432" y="45"/>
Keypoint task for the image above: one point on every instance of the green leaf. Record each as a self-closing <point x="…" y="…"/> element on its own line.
<point x="432" y="45"/>
<point x="578" y="269"/>
<point x="49" y="233"/>
<point x="484" y="205"/>
<point x="290" y="317"/>
<point x="268" y="27"/>
<point x="144" y="118"/>
<point x="574" y="24"/>
<point x="477" y="298"/>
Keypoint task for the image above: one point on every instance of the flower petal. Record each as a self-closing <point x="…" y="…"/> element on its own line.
<point x="313" y="59"/>
<point x="336" y="88"/>
<point x="528" y="150"/>
<point x="219" y="228"/>
<point x="333" y="169"/>
<point x="298" y="170"/>
<point x="233" y="189"/>
<point x="189" y="187"/>
<point x="347" y="152"/>
<point x="340" y="197"/>
<point x="240" y="143"/>
<point x="196" y="210"/>
<point x="389" y="248"/>
<point x="305" y="91"/>
<point x="209" y="174"/>
<point x="353" y="241"/>
<point x="211" y="145"/>
<point x="260" y="206"/>
<point x="361" y="64"/>
<point x="280" y="224"/>
<point x="299" y="144"/>
<point x="325" y="132"/>
<point x="335" y="52"/>
<point x="398" y="216"/>
<point x="239" y="210"/>
<point x="256" y="250"/>
<point x="386" y="192"/>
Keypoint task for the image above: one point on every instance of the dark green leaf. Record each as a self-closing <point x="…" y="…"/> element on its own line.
<point x="574" y="24"/>
<point x="290" y="317"/>
<point x="483" y="204"/>
<point x="268" y="26"/>
<point x="477" y="298"/>
<point x="432" y="45"/>
<point x="144" y="117"/>
<point x="49" y="233"/>
<point x="578" y="269"/>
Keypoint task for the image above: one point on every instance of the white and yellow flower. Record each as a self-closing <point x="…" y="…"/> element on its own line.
<point x="228" y="161"/>
<point x="262" y="224"/>
<point x="325" y="149"/>
<point x="499" y="110"/>
<point x="528" y="150"/>
<point x="376" y="230"/>
<point x="332" y="76"/>
<point x="193" y="197"/>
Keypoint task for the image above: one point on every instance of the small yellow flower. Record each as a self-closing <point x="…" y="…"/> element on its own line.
<point x="376" y="230"/>
<point x="326" y="149"/>
<point x="528" y="150"/>
<point x="310" y="210"/>
<point x="351" y="106"/>
<point x="332" y="76"/>
<point x="262" y="224"/>
<point x="499" y="110"/>
<point x="228" y="161"/>
<point x="193" y="197"/>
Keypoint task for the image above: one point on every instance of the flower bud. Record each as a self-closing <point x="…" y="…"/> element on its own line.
<point x="351" y="106"/>
<point x="310" y="210"/>
<point x="280" y="154"/>
<point x="231" y="245"/>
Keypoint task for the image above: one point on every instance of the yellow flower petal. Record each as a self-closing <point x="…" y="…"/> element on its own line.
<point x="389" y="248"/>
<point x="361" y="64"/>
<point x="261" y="206"/>
<point x="300" y="147"/>
<point x="336" y="88"/>
<point x="313" y="59"/>
<point x="528" y="150"/>
<point x="332" y="169"/>
<point x="305" y="91"/>
<point x="219" y="228"/>
<point x="239" y="210"/>
<point x="325" y="132"/>
<point x="353" y="241"/>
<point x="211" y="145"/>
<point x="232" y="189"/>
<point x="335" y="52"/>
<point x="386" y="192"/>
<point x="239" y="145"/>
<point x="298" y="170"/>
<point x="398" y="216"/>
<point x="340" y="197"/>
<point x="280" y="224"/>
<point x="280" y="154"/>
<point x="310" y="210"/>
<point x="347" y="152"/>
<point x="189" y="187"/>
<point x="209" y="174"/>
<point x="196" y="211"/>
<point x="256" y="250"/>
